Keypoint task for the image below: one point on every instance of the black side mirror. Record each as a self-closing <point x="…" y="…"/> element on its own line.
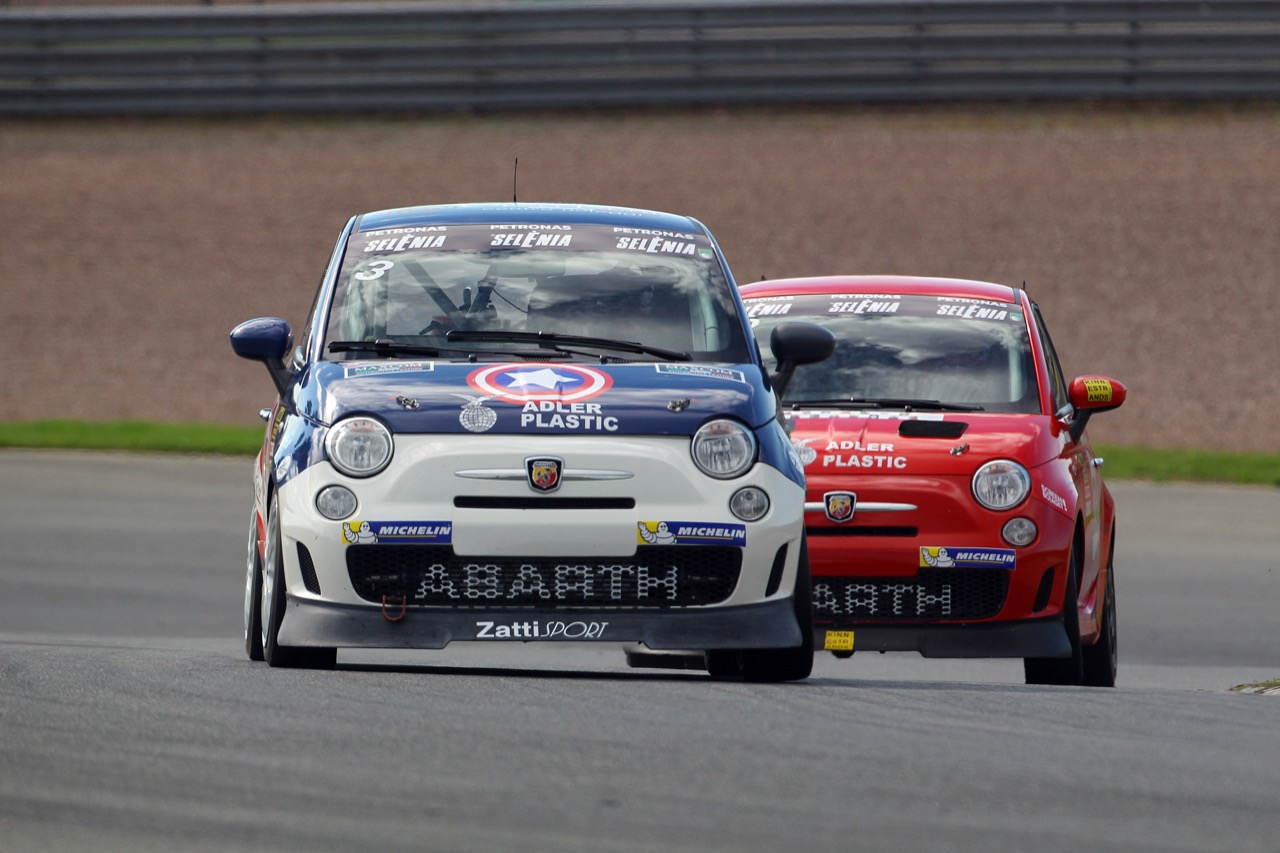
<point x="266" y="339"/>
<point x="794" y="344"/>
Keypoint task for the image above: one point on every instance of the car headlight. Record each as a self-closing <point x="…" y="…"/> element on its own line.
<point x="336" y="502"/>
<point x="359" y="446"/>
<point x="1001" y="484"/>
<point x="749" y="504"/>
<point x="1019" y="532"/>
<point x="723" y="449"/>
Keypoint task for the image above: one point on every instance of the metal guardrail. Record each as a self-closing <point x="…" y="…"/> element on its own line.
<point x="596" y="53"/>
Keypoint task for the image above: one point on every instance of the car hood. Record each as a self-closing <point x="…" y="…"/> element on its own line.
<point x="917" y="444"/>
<point x="543" y="397"/>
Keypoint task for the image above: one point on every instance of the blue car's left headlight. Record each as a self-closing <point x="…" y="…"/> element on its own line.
<point x="359" y="446"/>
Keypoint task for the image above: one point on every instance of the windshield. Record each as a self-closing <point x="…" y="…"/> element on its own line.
<point x="967" y="353"/>
<point x="494" y="284"/>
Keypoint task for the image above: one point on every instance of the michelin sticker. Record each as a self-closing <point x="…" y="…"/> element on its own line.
<point x="397" y="532"/>
<point x="967" y="558"/>
<point x="690" y="533"/>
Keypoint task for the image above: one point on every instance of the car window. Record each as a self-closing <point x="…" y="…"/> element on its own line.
<point x="1057" y="380"/>
<point x="415" y="285"/>
<point x="892" y="347"/>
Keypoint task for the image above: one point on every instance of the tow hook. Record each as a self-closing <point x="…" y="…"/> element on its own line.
<point x="394" y="600"/>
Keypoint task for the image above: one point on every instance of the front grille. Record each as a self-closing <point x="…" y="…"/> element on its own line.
<point x="863" y="530"/>
<point x="652" y="577"/>
<point x="941" y="595"/>
<point x="535" y="502"/>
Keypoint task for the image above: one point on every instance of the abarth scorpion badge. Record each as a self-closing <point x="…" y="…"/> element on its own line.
<point x="543" y="473"/>
<point x="840" y="506"/>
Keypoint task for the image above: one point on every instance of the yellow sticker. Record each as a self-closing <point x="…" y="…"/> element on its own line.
<point x="1099" y="390"/>
<point x="838" y="641"/>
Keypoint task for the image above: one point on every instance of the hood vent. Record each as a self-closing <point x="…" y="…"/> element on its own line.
<point x="932" y="429"/>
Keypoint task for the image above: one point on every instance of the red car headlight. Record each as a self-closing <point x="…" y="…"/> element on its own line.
<point x="1001" y="484"/>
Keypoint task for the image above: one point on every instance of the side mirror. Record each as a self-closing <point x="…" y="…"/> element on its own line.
<point x="266" y="339"/>
<point x="794" y="344"/>
<point x="1090" y="395"/>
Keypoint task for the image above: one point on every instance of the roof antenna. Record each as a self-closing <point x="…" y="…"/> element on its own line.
<point x="514" y="171"/>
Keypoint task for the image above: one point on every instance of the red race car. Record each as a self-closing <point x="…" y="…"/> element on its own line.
<point x="954" y="506"/>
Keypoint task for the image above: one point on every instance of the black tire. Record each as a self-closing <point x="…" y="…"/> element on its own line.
<point x="790" y="664"/>
<point x="1101" y="660"/>
<point x="273" y="599"/>
<point x="253" y="595"/>
<point x="1068" y="670"/>
<point x="724" y="663"/>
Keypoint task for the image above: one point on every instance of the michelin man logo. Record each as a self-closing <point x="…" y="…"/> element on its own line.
<point x="937" y="558"/>
<point x="358" y="533"/>
<point x="660" y="535"/>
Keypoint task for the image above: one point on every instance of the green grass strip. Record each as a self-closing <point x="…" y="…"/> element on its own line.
<point x="139" y="436"/>
<point x="1122" y="462"/>
<point x="1202" y="466"/>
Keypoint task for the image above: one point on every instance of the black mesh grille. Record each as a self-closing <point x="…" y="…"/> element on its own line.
<point x="309" y="578"/>
<point x="942" y="595"/>
<point x="864" y="530"/>
<point x="535" y="502"/>
<point x="652" y="577"/>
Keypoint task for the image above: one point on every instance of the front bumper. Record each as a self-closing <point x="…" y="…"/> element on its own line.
<point x="574" y="565"/>
<point x="769" y="625"/>
<point x="871" y="574"/>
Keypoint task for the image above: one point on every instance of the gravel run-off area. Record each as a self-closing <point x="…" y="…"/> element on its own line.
<point x="1150" y="236"/>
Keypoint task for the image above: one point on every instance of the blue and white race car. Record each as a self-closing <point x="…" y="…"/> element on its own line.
<point x="528" y="422"/>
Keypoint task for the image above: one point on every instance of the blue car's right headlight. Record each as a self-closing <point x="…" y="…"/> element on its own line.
<point x="723" y="449"/>
<point x="359" y="446"/>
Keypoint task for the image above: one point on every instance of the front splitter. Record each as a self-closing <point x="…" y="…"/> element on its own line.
<point x="1031" y="638"/>
<point x="771" y="625"/>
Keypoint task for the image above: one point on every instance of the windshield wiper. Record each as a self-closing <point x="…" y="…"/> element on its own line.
<point x="558" y="342"/>
<point x="884" y="403"/>
<point x="381" y="346"/>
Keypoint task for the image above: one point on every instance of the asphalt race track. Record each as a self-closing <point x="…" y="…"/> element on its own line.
<point x="132" y="721"/>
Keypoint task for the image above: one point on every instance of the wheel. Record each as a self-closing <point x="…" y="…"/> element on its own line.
<point x="253" y="595"/>
<point x="1068" y="670"/>
<point x="1101" y="660"/>
<point x="272" y="607"/>
<point x="793" y="664"/>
